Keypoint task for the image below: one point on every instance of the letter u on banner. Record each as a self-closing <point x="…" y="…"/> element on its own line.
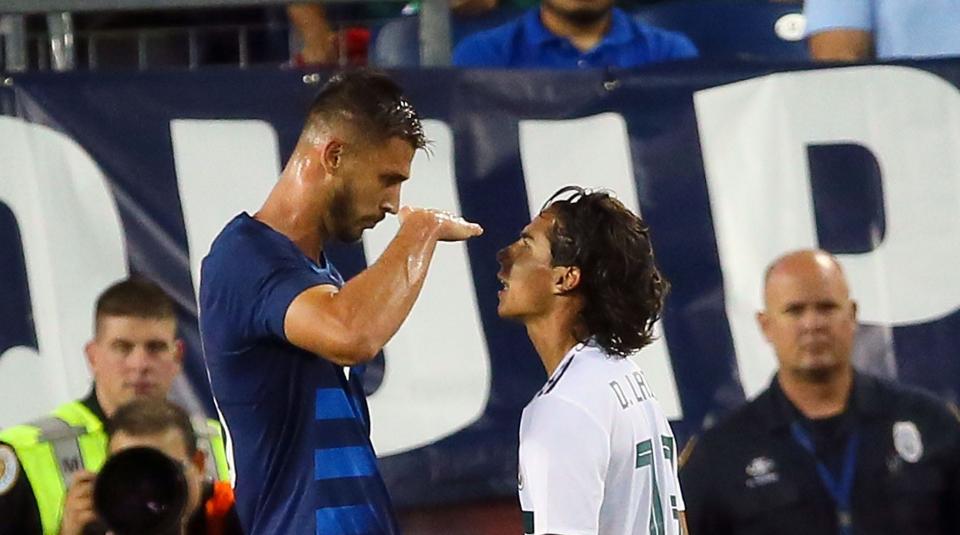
<point x="74" y="248"/>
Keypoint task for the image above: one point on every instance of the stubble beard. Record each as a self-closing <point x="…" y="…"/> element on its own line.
<point x="342" y="215"/>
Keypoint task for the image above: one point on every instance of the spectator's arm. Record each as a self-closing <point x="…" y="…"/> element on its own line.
<point x="310" y="21"/>
<point x="839" y="30"/>
<point x="841" y="45"/>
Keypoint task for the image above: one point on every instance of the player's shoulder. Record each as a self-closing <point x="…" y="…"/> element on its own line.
<point x="247" y="249"/>
<point x="596" y="381"/>
<point x="242" y="232"/>
<point x="581" y="372"/>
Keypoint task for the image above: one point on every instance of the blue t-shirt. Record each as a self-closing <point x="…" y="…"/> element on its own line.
<point x="526" y="42"/>
<point x="900" y="28"/>
<point x="299" y="429"/>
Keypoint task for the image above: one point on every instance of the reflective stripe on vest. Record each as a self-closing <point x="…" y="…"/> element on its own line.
<point x="210" y="442"/>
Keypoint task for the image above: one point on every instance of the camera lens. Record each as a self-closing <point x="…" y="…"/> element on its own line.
<point x="141" y="491"/>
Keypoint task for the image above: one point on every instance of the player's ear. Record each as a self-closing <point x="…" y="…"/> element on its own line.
<point x="331" y="155"/>
<point x="566" y="279"/>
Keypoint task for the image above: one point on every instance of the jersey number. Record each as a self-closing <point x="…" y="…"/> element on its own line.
<point x="645" y="459"/>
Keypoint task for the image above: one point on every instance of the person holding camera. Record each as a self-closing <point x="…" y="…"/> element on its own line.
<point x="134" y="354"/>
<point x="153" y="481"/>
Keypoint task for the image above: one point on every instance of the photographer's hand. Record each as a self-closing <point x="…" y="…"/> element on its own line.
<point x="78" y="507"/>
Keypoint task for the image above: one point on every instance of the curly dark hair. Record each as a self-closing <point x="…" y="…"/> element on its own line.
<point x="622" y="288"/>
<point x="371" y="101"/>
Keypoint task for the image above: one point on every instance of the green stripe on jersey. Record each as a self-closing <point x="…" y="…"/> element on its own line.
<point x="528" y="521"/>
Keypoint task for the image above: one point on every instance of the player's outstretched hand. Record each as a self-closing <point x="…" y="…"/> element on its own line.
<point x="449" y="227"/>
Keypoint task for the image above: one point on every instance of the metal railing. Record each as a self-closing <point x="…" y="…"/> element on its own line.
<point x="435" y="40"/>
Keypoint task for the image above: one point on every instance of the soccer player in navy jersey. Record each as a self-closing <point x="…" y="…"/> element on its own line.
<point x="281" y="330"/>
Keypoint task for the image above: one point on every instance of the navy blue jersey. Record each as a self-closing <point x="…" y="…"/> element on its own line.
<point x="298" y="427"/>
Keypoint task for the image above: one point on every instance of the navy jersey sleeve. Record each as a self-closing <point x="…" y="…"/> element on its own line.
<point x="248" y="281"/>
<point x="277" y="289"/>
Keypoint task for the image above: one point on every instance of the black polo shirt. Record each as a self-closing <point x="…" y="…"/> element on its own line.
<point x="750" y="475"/>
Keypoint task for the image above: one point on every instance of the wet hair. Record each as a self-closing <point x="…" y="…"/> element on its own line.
<point x="153" y="416"/>
<point x="623" y="291"/>
<point x="135" y="296"/>
<point x="372" y="103"/>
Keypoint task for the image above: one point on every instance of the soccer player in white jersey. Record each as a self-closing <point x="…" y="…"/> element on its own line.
<point x="597" y="455"/>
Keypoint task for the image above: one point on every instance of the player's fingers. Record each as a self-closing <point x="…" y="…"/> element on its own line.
<point x="461" y="230"/>
<point x="473" y="229"/>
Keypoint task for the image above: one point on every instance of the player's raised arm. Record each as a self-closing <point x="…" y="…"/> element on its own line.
<point x="351" y="326"/>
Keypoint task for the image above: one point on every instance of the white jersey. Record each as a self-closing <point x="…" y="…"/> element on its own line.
<point x="597" y="455"/>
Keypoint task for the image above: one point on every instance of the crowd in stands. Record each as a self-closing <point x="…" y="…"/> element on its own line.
<point x="519" y="33"/>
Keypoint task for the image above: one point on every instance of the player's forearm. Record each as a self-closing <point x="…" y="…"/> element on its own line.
<point x="377" y="301"/>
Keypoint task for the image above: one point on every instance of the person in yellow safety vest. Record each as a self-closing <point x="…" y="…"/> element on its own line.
<point x="134" y="354"/>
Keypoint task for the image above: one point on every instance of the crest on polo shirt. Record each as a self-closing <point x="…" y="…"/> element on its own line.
<point x="761" y="471"/>
<point x="907" y="441"/>
<point x="9" y="469"/>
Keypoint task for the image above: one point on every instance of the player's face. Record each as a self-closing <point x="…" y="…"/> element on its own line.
<point x="526" y="273"/>
<point x="171" y="442"/>
<point x="373" y="173"/>
<point x="809" y="319"/>
<point x="134" y="357"/>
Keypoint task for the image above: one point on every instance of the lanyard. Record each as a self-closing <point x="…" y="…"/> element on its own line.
<point x="840" y="490"/>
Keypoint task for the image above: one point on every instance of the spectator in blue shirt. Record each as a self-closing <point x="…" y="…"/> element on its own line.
<point x="861" y="30"/>
<point x="566" y="34"/>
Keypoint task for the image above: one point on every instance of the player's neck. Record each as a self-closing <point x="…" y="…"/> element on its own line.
<point x="293" y="209"/>
<point x="552" y="339"/>
<point x="820" y="398"/>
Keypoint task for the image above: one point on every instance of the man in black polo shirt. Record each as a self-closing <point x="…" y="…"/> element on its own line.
<point x="825" y="449"/>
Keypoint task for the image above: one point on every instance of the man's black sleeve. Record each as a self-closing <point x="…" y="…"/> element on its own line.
<point x="18" y="506"/>
<point x="697" y="482"/>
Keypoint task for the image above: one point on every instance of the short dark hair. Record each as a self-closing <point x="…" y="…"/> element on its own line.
<point x="135" y="296"/>
<point x="151" y="416"/>
<point x="622" y="289"/>
<point x="373" y="103"/>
